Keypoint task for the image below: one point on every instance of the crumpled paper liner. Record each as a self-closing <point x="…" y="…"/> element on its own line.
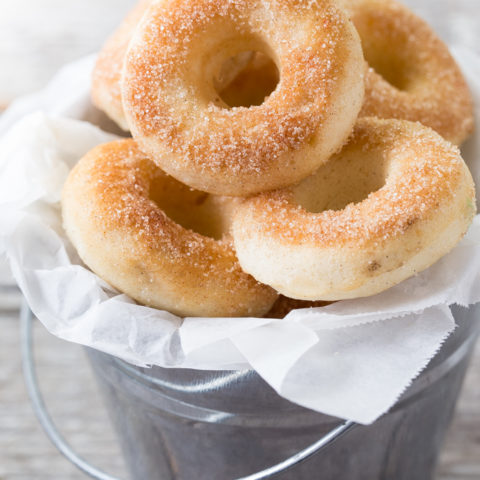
<point x="366" y="349"/>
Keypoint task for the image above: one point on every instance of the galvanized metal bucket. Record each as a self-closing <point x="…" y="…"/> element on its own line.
<point x="185" y="424"/>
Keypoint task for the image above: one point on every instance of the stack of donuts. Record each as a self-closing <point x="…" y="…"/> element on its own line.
<point x="284" y="153"/>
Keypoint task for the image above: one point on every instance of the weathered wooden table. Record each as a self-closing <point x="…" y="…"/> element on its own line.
<point x="36" y="38"/>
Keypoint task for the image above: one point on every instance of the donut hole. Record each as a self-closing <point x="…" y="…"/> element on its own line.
<point x="349" y="178"/>
<point x="387" y="49"/>
<point x="194" y="210"/>
<point x="246" y="79"/>
<point x="393" y="68"/>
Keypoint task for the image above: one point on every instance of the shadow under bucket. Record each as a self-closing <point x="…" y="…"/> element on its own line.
<point x="191" y="424"/>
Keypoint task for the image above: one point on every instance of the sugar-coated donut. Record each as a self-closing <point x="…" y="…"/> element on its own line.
<point x="179" y="119"/>
<point x="242" y="80"/>
<point x="134" y="226"/>
<point x="395" y="200"/>
<point x="412" y="75"/>
<point x="237" y="82"/>
<point x="106" y="87"/>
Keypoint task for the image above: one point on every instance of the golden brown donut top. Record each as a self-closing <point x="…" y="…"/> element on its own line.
<point x="118" y="180"/>
<point x="164" y="56"/>
<point x="430" y="169"/>
<point x="412" y="74"/>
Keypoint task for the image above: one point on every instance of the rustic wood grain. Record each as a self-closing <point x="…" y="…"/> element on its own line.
<point x="72" y="397"/>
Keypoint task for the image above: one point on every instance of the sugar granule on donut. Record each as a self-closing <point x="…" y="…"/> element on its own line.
<point x="396" y="199"/>
<point x="244" y="80"/>
<point x="181" y="121"/>
<point x="411" y="75"/>
<point x="155" y="239"/>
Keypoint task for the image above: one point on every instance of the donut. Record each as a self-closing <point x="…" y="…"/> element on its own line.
<point x="105" y="91"/>
<point x="244" y="80"/>
<point x="179" y="119"/>
<point x="411" y="74"/>
<point x="155" y="239"/>
<point x="390" y="204"/>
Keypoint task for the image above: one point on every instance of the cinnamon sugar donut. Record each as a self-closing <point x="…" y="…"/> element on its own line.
<point x="244" y="80"/>
<point x="106" y="91"/>
<point x="412" y="75"/>
<point x="395" y="200"/>
<point x="240" y="82"/>
<point x="134" y="226"/>
<point x="181" y="122"/>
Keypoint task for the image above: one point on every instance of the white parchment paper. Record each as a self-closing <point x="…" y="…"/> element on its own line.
<point x="369" y="349"/>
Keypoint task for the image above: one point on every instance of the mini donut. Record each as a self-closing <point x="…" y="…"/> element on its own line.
<point x="412" y="75"/>
<point x="390" y="204"/>
<point x="241" y="81"/>
<point x="181" y="122"/>
<point x="107" y="73"/>
<point x="134" y="226"/>
<point x="106" y="92"/>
